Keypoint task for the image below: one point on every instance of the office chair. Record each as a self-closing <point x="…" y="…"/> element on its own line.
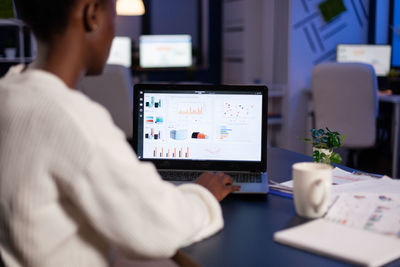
<point x="345" y="100"/>
<point x="114" y="90"/>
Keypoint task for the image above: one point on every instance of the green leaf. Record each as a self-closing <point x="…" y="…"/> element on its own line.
<point x="325" y="139"/>
<point x="335" y="158"/>
<point x="316" y="156"/>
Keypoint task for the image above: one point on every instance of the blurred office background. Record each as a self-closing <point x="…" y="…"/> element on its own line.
<point x="272" y="42"/>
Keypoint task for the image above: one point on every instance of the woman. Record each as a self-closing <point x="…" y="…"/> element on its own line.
<point x="70" y="186"/>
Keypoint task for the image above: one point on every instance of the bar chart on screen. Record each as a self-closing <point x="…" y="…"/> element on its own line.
<point x="152" y="102"/>
<point x="171" y="152"/>
<point x="152" y="133"/>
<point x="224" y="132"/>
<point x="190" y="109"/>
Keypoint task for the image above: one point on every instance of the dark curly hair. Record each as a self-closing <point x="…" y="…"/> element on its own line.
<point x="45" y="17"/>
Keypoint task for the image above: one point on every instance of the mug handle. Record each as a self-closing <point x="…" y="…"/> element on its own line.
<point x="317" y="205"/>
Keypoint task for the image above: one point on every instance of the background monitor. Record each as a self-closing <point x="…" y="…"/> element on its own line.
<point x="7" y="9"/>
<point x="379" y="56"/>
<point x="165" y="51"/>
<point x="121" y="51"/>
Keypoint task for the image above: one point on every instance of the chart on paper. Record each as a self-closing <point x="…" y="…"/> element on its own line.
<point x="376" y="212"/>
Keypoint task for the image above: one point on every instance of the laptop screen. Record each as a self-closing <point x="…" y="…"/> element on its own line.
<point x="201" y="123"/>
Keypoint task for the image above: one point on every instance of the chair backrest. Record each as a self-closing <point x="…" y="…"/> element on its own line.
<point x="114" y="90"/>
<point x="345" y="100"/>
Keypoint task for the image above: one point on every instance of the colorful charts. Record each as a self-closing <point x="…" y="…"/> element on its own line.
<point x="190" y="108"/>
<point x="216" y="127"/>
<point x="153" y="119"/>
<point x="153" y="103"/>
<point x="179" y="134"/>
<point x="152" y="134"/>
<point x="198" y="135"/>
<point x="238" y="111"/>
<point x="171" y="152"/>
<point x="224" y="132"/>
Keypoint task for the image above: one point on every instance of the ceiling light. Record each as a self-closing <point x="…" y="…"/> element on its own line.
<point x="130" y="7"/>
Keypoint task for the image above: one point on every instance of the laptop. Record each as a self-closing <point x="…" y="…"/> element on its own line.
<point x="187" y="129"/>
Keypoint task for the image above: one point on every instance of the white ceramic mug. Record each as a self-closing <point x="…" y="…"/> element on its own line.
<point x="311" y="188"/>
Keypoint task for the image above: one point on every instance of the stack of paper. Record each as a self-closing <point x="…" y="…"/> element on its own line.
<point x="339" y="177"/>
<point x="382" y="185"/>
<point x="280" y="187"/>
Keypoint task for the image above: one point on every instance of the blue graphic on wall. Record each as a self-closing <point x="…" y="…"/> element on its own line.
<point x="318" y="32"/>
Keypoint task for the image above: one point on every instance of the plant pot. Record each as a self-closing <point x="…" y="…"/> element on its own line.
<point x="326" y="158"/>
<point x="327" y="152"/>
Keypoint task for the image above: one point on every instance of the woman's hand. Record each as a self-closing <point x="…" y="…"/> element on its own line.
<point x="219" y="184"/>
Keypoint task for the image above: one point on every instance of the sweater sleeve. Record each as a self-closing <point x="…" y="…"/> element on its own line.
<point x="128" y="203"/>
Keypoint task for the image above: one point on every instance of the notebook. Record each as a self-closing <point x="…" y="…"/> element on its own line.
<point x="187" y="129"/>
<point x="357" y="246"/>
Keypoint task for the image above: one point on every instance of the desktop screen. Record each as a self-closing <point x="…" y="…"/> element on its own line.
<point x="377" y="55"/>
<point x="121" y="51"/>
<point x="165" y="51"/>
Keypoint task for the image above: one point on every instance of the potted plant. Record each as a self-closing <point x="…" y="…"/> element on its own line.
<point x="323" y="142"/>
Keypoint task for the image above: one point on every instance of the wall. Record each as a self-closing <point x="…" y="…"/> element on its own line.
<point x="382" y="22"/>
<point x="175" y="17"/>
<point x="128" y="26"/>
<point x="163" y="21"/>
<point x="312" y="41"/>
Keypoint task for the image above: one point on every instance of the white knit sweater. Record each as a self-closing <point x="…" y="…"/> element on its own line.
<point x="71" y="187"/>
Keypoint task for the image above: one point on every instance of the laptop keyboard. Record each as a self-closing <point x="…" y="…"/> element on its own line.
<point x="189" y="176"/>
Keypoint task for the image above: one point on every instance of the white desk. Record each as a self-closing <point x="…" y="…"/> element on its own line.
<point x="395" y="99"/>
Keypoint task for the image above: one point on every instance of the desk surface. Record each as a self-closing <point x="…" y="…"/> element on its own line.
<point x="250" y="222"/>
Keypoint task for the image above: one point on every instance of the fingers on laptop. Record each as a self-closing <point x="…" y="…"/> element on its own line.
<point x="219" y="184"/>
<point x="236" y="188"/>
